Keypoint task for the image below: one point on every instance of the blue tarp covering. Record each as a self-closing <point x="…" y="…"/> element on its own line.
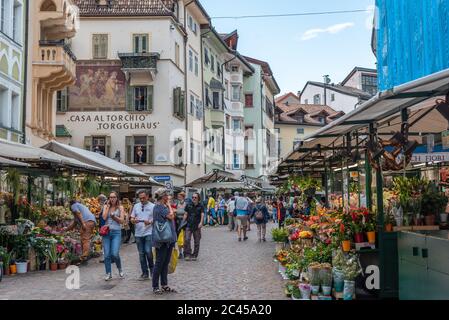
<point x="412" y="40"/>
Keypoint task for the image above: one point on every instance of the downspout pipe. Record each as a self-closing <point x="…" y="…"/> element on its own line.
<point x="185" y="86"/>
<point x="25" y="73"/>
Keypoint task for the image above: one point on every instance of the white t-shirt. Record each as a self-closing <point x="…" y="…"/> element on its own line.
<point x="231" y="206"/>
<point x="146" y="213"/>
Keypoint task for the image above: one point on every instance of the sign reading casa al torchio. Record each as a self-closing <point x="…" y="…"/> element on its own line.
<point x="116" y="121"/>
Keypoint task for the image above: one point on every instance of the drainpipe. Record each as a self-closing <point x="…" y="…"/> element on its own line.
<point x="185" y="86"/>
<point x="25" y="73"/>
<point x="202" y="91"/>
<point x="223" y="147"/>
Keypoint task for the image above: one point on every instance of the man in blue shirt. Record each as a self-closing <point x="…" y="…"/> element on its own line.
<point x="242" y="217"/>
<point x="85" y="221"/>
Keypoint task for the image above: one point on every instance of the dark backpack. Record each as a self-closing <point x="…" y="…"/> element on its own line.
<point x="259" y="214"/>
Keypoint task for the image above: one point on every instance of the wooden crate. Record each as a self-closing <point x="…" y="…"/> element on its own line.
<point x="410" y="228"/>
<point x="425" y="228"/>
<point x="339" y="295"/>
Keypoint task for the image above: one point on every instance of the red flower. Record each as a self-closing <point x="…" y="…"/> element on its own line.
<point x="342" y="228"/>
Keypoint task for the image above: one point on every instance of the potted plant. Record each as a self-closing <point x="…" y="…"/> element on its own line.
<point x="280" y="236"/>
<point x="344" y="235"/>
<point x="52" y="256"/>
<point x="305" y="290"/>
<point x="6" y="258"/>
<point x="433" y="203"/>
<point x="314" y="277"/>
<point x="12" y="267"/>
<point x="326" y="278"/>
<point x="62" y="252"/>
<point x="296" y="293"/>
<point x="351" y="269"/>
<point x="370" y="229"/>
<point x="21" y="247"/>
<point x="357" y="230"/>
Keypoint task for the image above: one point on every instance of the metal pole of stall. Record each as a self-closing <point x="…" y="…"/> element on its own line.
<point x="368" y="182"/>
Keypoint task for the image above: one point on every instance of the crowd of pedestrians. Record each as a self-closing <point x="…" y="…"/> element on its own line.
<point x="159" y="226"/>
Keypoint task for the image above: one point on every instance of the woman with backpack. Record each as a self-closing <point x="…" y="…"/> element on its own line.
<point x="261" y="217"/>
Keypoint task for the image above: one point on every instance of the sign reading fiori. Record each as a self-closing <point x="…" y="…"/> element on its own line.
<point x="430" y="157"/>
<point x="117" y="122"/>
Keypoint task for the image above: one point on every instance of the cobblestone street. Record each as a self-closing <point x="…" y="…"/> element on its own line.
<point x="226" y="269"/>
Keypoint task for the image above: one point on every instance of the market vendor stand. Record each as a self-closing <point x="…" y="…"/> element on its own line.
<point x="421" y="107"/>
<point x="43" y="239"/>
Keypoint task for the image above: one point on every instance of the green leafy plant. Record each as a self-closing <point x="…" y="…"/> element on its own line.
<point x="21" y="247"/>
<point x="279" y="235"/>
<point x="433" y="202"/>
<point x="6" y="258"/>
<point x="52" y="253"/>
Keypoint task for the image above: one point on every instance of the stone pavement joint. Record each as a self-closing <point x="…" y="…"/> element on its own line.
<point x="226" y="269"/>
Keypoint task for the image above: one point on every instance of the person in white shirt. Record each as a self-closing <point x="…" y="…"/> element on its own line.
<point x="231" y="213"/>
<point x="142" y="218"/>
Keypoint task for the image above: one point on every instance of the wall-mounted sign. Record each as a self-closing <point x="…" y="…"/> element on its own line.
<point x="162" y="178"/>
<point x="430" y="157"/>
<point x="116" y="121"/>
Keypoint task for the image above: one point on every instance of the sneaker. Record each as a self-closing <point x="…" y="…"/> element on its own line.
<point x="264" y="240"/>
<point x="194" y="258"/>
<point x="188" y="258"/>
<point x="121" y="274"/>
<point x="240" y="239"/>
<point x="245" y="238"/>
<point x="108" y="277"/>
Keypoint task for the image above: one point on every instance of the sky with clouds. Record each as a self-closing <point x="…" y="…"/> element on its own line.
<point x="300" y="48"/>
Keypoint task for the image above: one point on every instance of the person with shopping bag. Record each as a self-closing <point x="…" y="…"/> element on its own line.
<point x="164" y="241"/>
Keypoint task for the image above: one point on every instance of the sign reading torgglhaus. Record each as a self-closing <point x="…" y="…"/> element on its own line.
<point x="116" y="121"/>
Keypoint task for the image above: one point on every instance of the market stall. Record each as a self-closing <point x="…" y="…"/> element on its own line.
<point x="34" y="196"/>
<point x="373" y="158"/>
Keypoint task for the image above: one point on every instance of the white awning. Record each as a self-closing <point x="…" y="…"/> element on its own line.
<point x="384" y="109"/>
<point x="27" y="153"/>
<point x="11" y="163"/>
<point x="215" y="176"/>
<point x="95" y="159"/>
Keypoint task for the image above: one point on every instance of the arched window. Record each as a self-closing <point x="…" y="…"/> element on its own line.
<point x="48" y="5"/>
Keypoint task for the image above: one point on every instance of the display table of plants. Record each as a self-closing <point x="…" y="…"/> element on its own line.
<point x="314" y="256"/>
<point x="414" y="204"/>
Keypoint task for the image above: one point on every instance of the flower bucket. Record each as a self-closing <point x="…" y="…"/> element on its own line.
<point x="338" y="281"/>
<point x="62" y="265"/>
<point x="389" y="227"/>
<point x="13" y="269"/>
<point x="346" y="245"/>
<point x="53" y="266"/>
<point x="326" y="290"/>
<point x="305" y="291"/>
<point x="443" y="217"/>
<point x="43" y="266"/>
<point x="315" y="290"/>
<point x="430" y="220"/>
<point x="371" y="235"/>
<point x="358" y="238"/>
<point x="22" y="267"/>
<point x="349" y="289"/>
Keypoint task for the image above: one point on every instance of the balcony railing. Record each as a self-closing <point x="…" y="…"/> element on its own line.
<point x="146" y="60"/>
<point x="58" y="43"/>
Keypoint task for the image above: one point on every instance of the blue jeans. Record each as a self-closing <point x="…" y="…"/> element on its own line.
<point x="145" y="248"/>
<point x="111" y="247"/>
<point x="221" y="213"/>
